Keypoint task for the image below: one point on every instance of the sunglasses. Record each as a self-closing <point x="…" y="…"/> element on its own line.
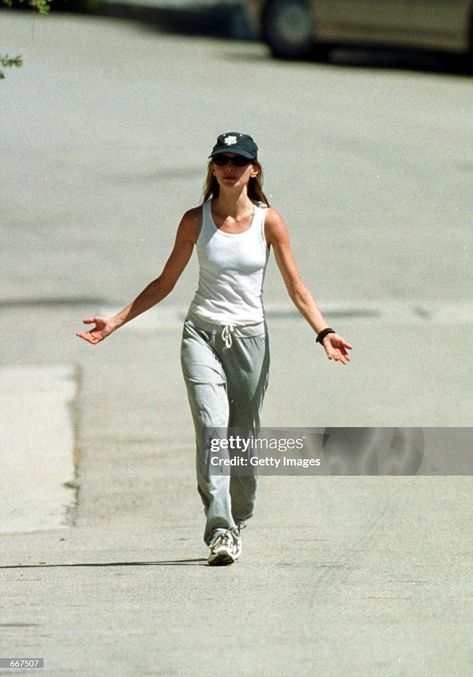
<point x="236" y="161"/>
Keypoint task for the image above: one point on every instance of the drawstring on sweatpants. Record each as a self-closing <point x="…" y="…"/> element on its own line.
<point x="227" y="335"/>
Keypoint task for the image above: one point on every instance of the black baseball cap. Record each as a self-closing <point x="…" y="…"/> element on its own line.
<point x="235" y="142"/>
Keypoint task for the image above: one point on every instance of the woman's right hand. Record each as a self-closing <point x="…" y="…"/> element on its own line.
<point x="104" y="326"/>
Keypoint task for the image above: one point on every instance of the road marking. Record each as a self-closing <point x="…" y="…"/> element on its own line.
<point x="170" y="317"/>
<point x="36" y="447"/>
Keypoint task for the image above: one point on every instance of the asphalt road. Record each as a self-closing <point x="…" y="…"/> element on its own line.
<point x="104" y="138"/>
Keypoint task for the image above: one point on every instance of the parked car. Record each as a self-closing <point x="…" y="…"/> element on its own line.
<point x="298" y="28"/>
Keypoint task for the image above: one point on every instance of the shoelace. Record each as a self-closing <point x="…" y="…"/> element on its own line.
<point x="227" y="334"/>
<point x="223" y="538"/>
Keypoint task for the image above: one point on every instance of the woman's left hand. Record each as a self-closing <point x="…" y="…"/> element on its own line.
<point x="336" y="348"/>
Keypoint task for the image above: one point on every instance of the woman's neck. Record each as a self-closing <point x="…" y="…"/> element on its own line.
<point x="232" y="204"/>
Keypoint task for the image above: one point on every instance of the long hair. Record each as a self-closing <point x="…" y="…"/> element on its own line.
<point x="255" y="187"/>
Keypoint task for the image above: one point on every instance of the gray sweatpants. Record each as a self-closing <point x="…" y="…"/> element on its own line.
<point x="226" y="378"/>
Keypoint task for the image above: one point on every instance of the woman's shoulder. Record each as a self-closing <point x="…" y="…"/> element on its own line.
<point x="274" y="218"/>
<point x="274" y="227"/>
<point x="190" y="223"/>
<point x="192" y="215"/>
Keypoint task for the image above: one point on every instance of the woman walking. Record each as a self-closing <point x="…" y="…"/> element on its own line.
<point x="225" y="349"/>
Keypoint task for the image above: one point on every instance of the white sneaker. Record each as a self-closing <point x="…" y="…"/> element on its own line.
<point x="224" y="548"/>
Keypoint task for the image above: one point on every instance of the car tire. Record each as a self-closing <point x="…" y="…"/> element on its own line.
<point x="287" y="28"/>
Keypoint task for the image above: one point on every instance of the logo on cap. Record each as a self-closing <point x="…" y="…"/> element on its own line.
<point x="230" y="140"/>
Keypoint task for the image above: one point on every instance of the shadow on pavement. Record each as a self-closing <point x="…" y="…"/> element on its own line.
<point x="51" y="302"/>
<point x="369" y="58"/>
<point x="177" y="562"/>
<point x="220" y="20"/>
<point x="397" y="59"/>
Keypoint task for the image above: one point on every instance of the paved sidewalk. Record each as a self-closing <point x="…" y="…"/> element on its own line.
<point x="326" y="561"/>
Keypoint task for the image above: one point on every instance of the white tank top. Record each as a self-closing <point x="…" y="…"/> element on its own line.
<point x="232" y="267"/>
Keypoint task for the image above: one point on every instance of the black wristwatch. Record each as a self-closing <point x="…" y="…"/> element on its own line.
<point x="322" y="334"/>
